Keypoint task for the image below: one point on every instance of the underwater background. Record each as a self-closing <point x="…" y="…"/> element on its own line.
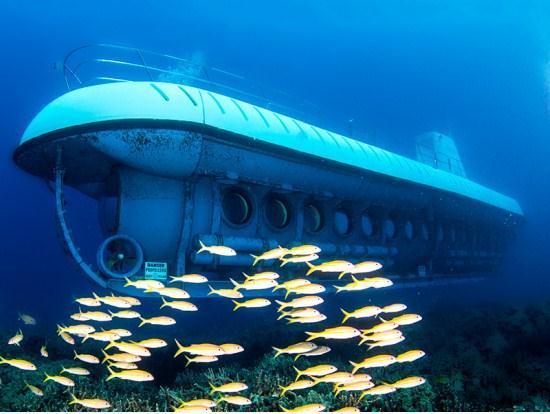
<point x="478" y="71"/>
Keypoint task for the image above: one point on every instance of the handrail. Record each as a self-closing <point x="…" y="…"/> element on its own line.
<point x="101" y="63"/>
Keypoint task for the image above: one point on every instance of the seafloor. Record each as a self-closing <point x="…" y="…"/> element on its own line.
<point x="482" y="358"/>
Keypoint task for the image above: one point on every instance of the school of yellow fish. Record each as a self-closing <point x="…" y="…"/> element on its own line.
<point x="301" y="296"/>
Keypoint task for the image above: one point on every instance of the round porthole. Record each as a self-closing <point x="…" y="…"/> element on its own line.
<point x="342" y="222"/>
<point x="366" y="225"/>
<point x="313" y="218"/>
<point x="277" y="212"/>
<point x="388" y="228"/>
<point x="236" y="206"/>
<point x="409" y="230"/>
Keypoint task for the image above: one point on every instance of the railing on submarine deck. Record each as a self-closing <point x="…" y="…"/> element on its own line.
<point x="104" y="63"/>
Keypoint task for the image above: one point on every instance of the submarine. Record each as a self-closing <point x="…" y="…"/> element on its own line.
<point x="175" y="163"/>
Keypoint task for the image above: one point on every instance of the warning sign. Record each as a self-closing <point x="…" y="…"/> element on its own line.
<point x="156" y="270"/>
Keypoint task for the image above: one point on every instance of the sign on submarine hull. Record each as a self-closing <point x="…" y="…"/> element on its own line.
<point x="171" y="164"/>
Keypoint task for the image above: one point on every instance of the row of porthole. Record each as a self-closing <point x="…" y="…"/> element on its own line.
<point x="237" y="210"/>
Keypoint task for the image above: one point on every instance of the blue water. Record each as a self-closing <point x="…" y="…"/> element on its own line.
<point x="477" y="71"/>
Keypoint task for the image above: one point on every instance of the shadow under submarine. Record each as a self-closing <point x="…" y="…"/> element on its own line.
<point x="171" y="164"/>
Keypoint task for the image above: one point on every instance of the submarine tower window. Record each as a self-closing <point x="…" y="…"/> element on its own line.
<point x="342" y="222"/>
<point x="313" y="218"/>
<point x="367" y="225"/>
<point x="388" y="228"/>
<point x="277" y="211"/>
<point x="236" y="206"/>
<point x="409" y="230"/>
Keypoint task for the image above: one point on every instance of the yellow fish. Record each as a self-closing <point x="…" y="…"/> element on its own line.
<point x="201" y="402"/>
<point x="410" y="356"/>
<point x="364" y="312"/>
<point x="381" y="336"/>
<point x="76" y="329"/>
<point x="200" y="359"/>
<point x="60" y="380"/>
<point x="378" y="390"/>
<point x="348" y="410"/>
<point x="199" y="349"/>
<point x="300" y="313"/>
<point x="309" y="289"/>
<point x="303" y="250"/>
<point x="129" y="348"/>
<point x="80" y="316"/>
<point x="296" y="385"/>
<point x="152" y="343"/>
<point x="90" y="359"/>
<point x="235" y="400"/>
<point x="123" y="365"/>
<point x="338" y="332"/>
<point x="35" y="390"/>
<point x="407" y="319"/>
<point x="299" y="259"/>
<point x="229" y="349"/>
<point x="16" y="339"/>
<point x="338" y="377"/>
<point x="376" y="282"/>
<point x="252" y="303"/>
<point x="94" y="403"/>
<point x="270" y="255"/>
<point x="299" y="348"/>
<point x="218" y="250"/>
<point x="320" y="350"/>
<point x="44" y="351"/>
<point x="189" y="278"/>
<point x="396" y="307"/>
<point x="180" y="305"/>
<point x="261" y="275"/>
<point x="75" y="371"/>
<point x="158" y="320"/>
<point x="308" y="319"/>
<point x="173" y="293"/>
<point x="315" y="371"/>
<point x="387" y="342"/>
<point x="27" y="319"/>
<point x="144" y="284"/>
<point x="121" y="357"/>
<point x="353" y="386"/>
<point x="254" y="284"/>
<point x="230" y="387"/>
<point x="340" y="266"/>
<point x="97" y="316"/>
<point x="102" y="336"/>
<point x="90" y="302"/>
<point x="408" y="382"/>
<point x="67" y="338"/>
<point x="301" y="302"/>
<point x="308" y="408"/>
<point x="123" y="333"/>
<point x="192" y="408"/>
<point x="292" y="283"/>
<point x="114" y="301"/>
<point x="381" y="327"/>
<point x="367" y="266"/>
<point x="19" y="363"/>
<point x="373" y="362"/>
<point x="226" y="293"/>
<point x="135" y="375"/>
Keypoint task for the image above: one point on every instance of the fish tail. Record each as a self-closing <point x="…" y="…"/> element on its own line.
<point x="74" y="400"/>
<point x="256" y="258"/>
<point x="3" y="360"/>
<point x="356" y="367"/>
<point x="189" y="360"/>
<point x="59" y="329"/>
<point x="282" y="305"/>
<point x="95" y="296"/>
<point x="246" y="276"/>
<point x="312" y="335"/>
<point x="283" y="408"/>
<point x="284" y="390"/>
<point x="341" y="275"/>
<point x="298" y="373"/>
<point x="282" y="315"/>
<point x="287" y="293"/>
<point x="143" y="322"/>
<point x="363" y="394"/>
<point x="237" y="305"/>
<point x="291" y="320"/>
<point x="112" y="374"/>
<point x="75" y="354"/>
<point x="278" y="351"/>
<point x="128" y="282"/>
<point x="85" y="338"/>
<point x="284" y="262"/>
<point x="338" y="288"/>
<point x="212" y="388"/>
<point x="212" y="291"/>
<point x="311" y="269"/>
<point x="371" y="346"/>
<point x="203" y="247"/>
<point x="172" y="279"/>
<point x="180" y="349"/>
<point x="337" y="391"/>
<point x="164" y="302"/>
<point x="236" y="284"/>
<point x="106" y="356"/>
<point x="364" y="339"/>
<point x="382" y="319"/>
<point x="297" y="356"/>
<point x="346" y="315"/>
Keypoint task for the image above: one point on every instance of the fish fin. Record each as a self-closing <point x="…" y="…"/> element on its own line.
<point x="337" y="391"/>
<point x="85" y="338"/>
<point x="346" y="315"/>
<point x="363" y="339"/>
<point x="203" y="247"/>
<point x="371" y="346"/>
<point x="382" y="319"/>
<point x="74" y="400"/>
<point x="180" y="348"/>
<point x="212" y="388"/>
<point x="282" y="305"/>
<point x="164" y="302"/>
<point x="75" y="354"/>
<point x="189" y="360"/>
<point x="256" y="258"/>
<point x="128" y="282"/>
<point x="283" y="262"/>
<point x="341" y="275"/>
<point x="212" y="291"/>
<point x="355" y="365"/>
<point x="112" y="374"/>
<point x="237" y="305"/>
<point x="106" y="356"/>
<point x="287" y="293"/>
<point x="284" y="390"/>
<point x="297" y="356"/>
<point x="298" y="373"/>
<point x="278" y="351"/>
<point x="311" y="269"/>
<point x="173" y="279"/>
<point x="95" y="296"/>
<point x="338" y="288"/>
<point x="143" y="322"/>
<point x="48" y="378"/>
<point x="2" y="360"/>
<point x="312" y="335"/>
<point x="246" y="276"/>
<point x="282" y="315"/>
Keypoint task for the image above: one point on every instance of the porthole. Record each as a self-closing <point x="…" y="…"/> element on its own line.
<point x="367" y="225"/>
<point x="342" y="222"/>
<point x="388" y="228"/>
<point x="313" y="218"/>
<point x="236" y="206"/>
<point x="409" y="230"/>
<point x="277" y="211"/>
